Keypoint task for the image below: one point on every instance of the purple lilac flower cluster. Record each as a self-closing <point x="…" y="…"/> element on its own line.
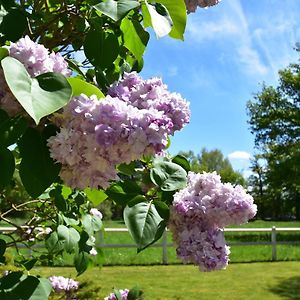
<point x="198" y="215"/>
<point x="191" y="5"/>
<point x="152" y="94"/>
<point x="96" y="136"/>
<point x="124" y="295"/>
<point x="63" y="284"/>
<point x="37" y="60"/>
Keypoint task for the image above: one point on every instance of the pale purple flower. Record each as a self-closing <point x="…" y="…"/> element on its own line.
<point x="153" y="94"/>
<point x="95" y="212"/>
<point x="36" y="58"/>
<point x="96" y="136"/>
<point x="124" y="295"/>
<point x="191" y="5"/>
<point x="198" y="214"/>
<point x="37" y="61"/>
<point x="93" y="252"/>
<point x="63" y="284"/>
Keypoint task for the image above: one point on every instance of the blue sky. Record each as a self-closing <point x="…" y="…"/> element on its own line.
<point x="229" y="50"/>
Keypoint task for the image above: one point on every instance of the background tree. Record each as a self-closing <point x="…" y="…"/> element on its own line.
<point x="214" y="160"/>
<point x="274" y="118"/>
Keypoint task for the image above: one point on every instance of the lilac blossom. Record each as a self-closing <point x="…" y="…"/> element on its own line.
<point x="96" y="136"/>
<point x="152" y="94"/>
<point x="207" y="198"/>
<point x="191" y="5"/>
<point x="37" y="60"/>
<point x="96" y="213"/>
<point x="63" y="284"/>
<point x="93" y="252"/>
<point x="198" y="214"/>
<point x="124" y="295"/>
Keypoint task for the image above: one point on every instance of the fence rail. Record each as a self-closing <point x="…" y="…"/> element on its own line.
<point x="164" y="244"/>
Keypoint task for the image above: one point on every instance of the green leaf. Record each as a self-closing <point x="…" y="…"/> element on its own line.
<point x="70" y="220"/>
<point x="10" y="29"/>
<point x="117" y="294"/>
<point x="2" y="247"/>
<point x="146" y="16"/>
<point x="134" y="294"/>
<point x="39" y="96"/>
<point x="144" y="223"/>
<point x="163" y="209"/>
<point x="3" y="53"/>
<point x="101" y="48"/>
<point x="53" y="244"/>
<point x="82" y="87"/>
<point x="91" y="223"/>
<point x="168" y="176"/>
<point x="81" y="262"/>
<point x="177" y="11"/>
<point x="7" y="166"/>
<point x="96" y="196"/>
<point x="116" y="9"/>
<point x="135" y="37"/>
<point x="29" y="264"/>
<point x="70" y="236"/>
<point x="11" y="130"/>
<point x="122" y="192"/>
<point x="127" y="169"/>
<point x="37" y="169"/>
<point x="32" y="288"/>
<point x="182" y="161"/>
<point x="160" y="19"/>
<point x="11" y="279"/>
<point x="3" y="116"/>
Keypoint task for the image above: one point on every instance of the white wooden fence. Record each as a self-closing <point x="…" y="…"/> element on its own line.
<point x="164" y="244"/>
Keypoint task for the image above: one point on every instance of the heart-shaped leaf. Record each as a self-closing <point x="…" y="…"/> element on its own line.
<point x="101" y="48"/>
<point x="144" y="223"/>
<point x="160" y="18"/>
<point x="82" y="87"/>
<point x="168" y="176"/>
<point x="177" y="11"/>
<point x="116" y="9"/>
<point x="135" y="37"/>
<point x="39" y="96"/>
<point x="70" y="237"/>
<point x="81" y="262"/>
<point x="37" y="169"/>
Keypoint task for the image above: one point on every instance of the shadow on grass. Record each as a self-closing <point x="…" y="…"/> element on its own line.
<point x="288" y="288"/>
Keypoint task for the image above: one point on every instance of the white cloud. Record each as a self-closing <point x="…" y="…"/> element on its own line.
<point x="242" y="155"/>
<point x="201" y="31"/>
<point x="234" y="28"/>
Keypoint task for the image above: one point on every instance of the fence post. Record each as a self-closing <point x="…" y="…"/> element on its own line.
<point x="165" y="248"/>
<point x="273" y="241"/>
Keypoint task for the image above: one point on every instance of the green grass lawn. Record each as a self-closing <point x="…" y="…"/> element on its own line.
<point x="128" y="256"/>
<point x="152" y="256"/>
<point x="251" y="281"/>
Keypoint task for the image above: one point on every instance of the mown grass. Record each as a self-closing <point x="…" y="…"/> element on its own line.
<point x="153" y="256"/>
<point x="254" y="281"/>
<point x="128" y="256"/>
